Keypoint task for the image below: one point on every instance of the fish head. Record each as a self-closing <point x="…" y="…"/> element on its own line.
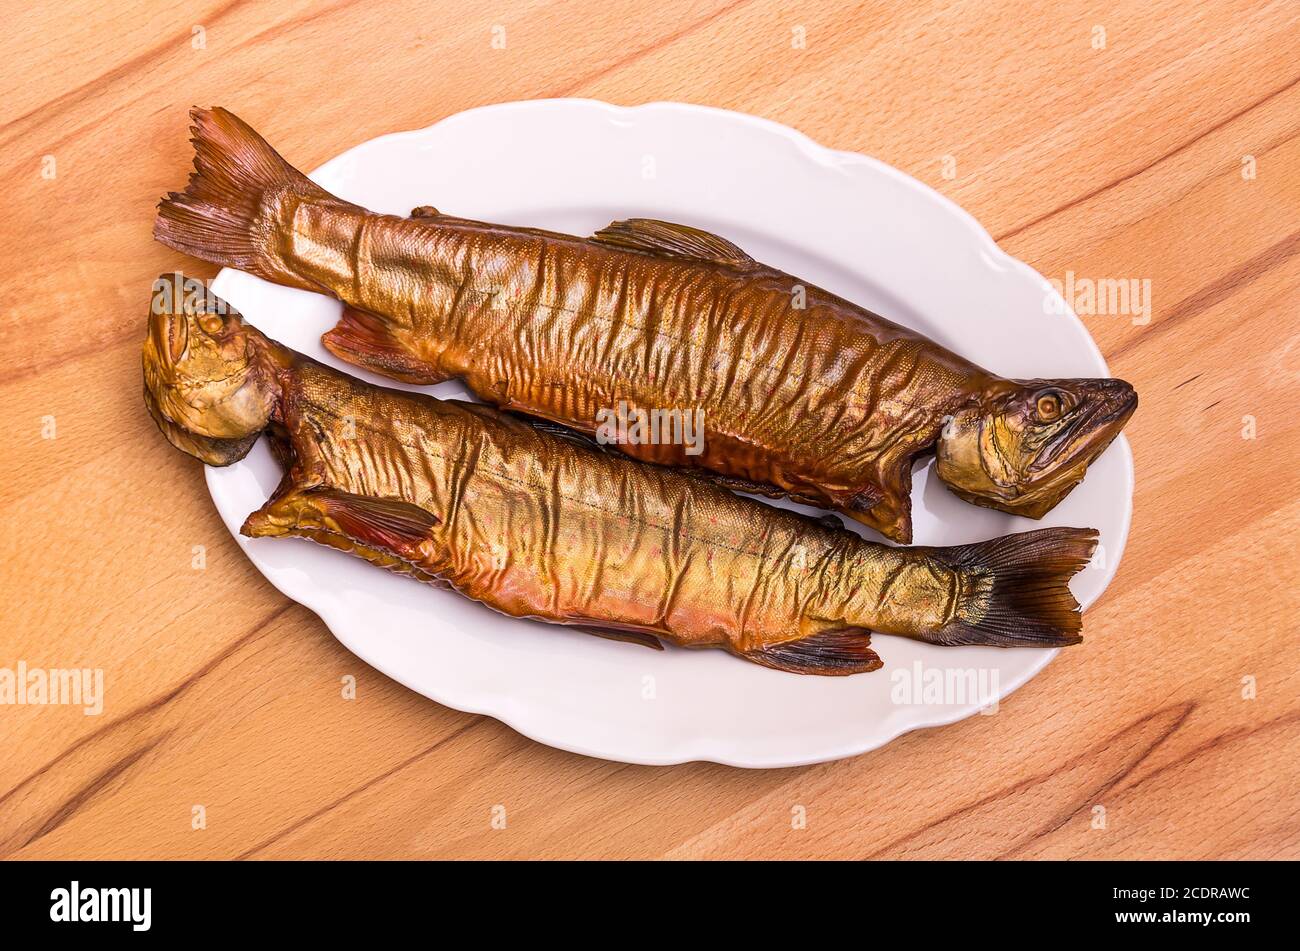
<point x="1025" y="444"/>
<point x="209" y="381"/>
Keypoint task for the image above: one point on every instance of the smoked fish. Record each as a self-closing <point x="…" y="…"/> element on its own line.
<point x="555" y="528"/>
<point x="801" y="393"/>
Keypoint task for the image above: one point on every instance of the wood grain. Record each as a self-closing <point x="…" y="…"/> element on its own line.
<point x="1124" y="161"/>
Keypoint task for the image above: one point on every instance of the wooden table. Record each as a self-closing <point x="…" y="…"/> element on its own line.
<point x="1152" y="140"/>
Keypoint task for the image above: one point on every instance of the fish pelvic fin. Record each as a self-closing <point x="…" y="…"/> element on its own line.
<point x="220" y="216"/>
<point x="1016" y="591"/>
<point x="367" y="341"/>
<point x="834" y="653"/>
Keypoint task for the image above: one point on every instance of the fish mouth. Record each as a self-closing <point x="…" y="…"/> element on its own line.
<point x="170" y="338"/>
<point x="169" y="330"/>
<point x="1092" y="430"/>
<point x="1090" y="434"/>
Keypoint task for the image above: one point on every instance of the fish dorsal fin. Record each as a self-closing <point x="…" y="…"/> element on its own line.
<point x="664" y="237"/>
<point x="558" y="430"/>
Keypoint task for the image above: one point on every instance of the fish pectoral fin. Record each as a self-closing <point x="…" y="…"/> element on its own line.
<point x="285" y="513"/>
<point x="301" y="513"/>
<point x="385" y="524"/>
<point x="617" y="634"/>
<point x="890" y="517"/>
<point x="665" y="237"/>
<point x="366" y="340"/>
<point x="390" y="524"/>
<point x="838" y="652"/>
<point x="886" y="504"/>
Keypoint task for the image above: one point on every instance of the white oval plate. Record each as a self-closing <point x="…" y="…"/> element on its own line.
<point x="850" y="224"/>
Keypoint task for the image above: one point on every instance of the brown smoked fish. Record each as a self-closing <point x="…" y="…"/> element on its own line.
<point x="801" y="393"/>
<point x="544" y="526"/>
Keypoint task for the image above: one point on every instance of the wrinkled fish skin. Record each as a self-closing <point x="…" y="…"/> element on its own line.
<point x="563" y="328"/>
<point x="802" y="393"/>
<point x="540" y="526"/>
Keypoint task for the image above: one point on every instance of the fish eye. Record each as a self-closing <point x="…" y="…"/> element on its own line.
<point x="1049" y="406"/>
<point x="211" y="323"/>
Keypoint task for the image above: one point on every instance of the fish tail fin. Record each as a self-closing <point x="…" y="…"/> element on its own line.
<point x="368" y="341"/>
<point x="1016" y="589"/>
<point x="218" y="215"/>
<point x="834" y="653"/>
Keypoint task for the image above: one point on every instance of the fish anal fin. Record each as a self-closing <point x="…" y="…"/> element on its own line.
<point x="367" y="340"/>
<point x="666" y="238"/>
<point x="619" y="634"/>
<point x="835" y="653"/>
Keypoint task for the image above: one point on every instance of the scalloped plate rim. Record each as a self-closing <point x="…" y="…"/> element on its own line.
<point x="701" y="748"/>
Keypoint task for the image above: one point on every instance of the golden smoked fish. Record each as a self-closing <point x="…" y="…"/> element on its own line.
<point x="550" y="527"/>
<point x="801" y="393"/>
